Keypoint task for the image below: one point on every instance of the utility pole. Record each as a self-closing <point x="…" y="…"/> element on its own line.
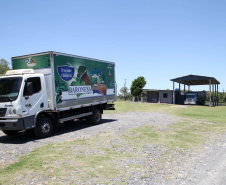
<point x="125" y="91"/>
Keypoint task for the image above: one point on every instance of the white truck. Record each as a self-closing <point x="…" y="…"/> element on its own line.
<point x="195" y="98"/>
<point x="46" y="89"/>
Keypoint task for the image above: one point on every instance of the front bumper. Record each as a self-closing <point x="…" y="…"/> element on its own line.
<point x="12" y="124"/>
<point x="189" y="103"/>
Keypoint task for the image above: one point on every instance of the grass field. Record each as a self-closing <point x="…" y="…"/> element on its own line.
<point x="211" y="114"/>
<point x="96" y="158"/>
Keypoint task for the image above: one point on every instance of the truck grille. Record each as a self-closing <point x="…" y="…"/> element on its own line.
<point x="2" y="112"/>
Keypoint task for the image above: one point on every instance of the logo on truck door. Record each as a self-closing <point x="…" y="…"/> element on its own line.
<point x="66" y="73"/>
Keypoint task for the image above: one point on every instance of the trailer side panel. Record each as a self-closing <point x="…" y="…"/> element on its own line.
<point x="82" y="81"/>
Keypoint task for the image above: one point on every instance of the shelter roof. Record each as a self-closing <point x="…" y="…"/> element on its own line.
<point x="195" y="80"/>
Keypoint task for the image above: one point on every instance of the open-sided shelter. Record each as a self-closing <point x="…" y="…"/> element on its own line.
<point x="190" y="80"/>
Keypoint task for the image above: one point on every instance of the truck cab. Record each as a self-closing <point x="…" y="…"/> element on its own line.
<point x="191" y="99"/>
<point x="22" y="96"/>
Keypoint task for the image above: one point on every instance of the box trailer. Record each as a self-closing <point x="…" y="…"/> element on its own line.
<point x="46" y="89"/>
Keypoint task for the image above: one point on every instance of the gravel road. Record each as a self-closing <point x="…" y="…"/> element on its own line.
<point x="207" y="166"/>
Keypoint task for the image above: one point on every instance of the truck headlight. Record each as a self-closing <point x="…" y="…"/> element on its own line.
<point x="12" y="111"/>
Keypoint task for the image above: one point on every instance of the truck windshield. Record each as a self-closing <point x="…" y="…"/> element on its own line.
<point x="9" y="88"/>
<point x="190" y="96"/>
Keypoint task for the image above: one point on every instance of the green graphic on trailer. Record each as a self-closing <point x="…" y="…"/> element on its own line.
<point x="32" y="62"/>
<point x="82" y="77"/>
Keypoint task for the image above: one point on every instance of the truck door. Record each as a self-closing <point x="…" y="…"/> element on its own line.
<point x="32" y="101"/>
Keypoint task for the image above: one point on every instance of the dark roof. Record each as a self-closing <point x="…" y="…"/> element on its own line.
<point x="195" y="80"/>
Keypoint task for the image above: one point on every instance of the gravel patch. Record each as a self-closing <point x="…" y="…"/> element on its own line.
<point x="156" y="164"/>
<point x="25" y="142"/>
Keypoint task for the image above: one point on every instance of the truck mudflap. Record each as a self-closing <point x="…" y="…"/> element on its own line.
<point x="12" y="124"/>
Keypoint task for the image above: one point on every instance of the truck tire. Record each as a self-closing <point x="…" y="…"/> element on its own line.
<point x="44" y="127"/>
<point x="96" y="117"/>
<point x="10" y="132"/>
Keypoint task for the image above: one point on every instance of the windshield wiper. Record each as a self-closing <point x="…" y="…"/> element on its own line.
<point x="2" y="98"/>
<point x="10" y="98"/>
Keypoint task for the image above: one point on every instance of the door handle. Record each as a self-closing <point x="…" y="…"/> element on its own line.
<point x="42" y="105"/>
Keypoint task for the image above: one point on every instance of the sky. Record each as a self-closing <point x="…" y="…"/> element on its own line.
<point x="157" y="39"/>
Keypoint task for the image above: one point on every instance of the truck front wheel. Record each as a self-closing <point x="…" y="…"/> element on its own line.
<point x="96" y="117"/>
<point x="44" y="127"/>
<point x="10" y="132"/>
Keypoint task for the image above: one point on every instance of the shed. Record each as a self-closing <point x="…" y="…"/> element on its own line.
<point x="159" y="96"/>
<point x="199" y="80"/>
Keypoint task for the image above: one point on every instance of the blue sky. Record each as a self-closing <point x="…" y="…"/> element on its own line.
<point x="157" y="39"/>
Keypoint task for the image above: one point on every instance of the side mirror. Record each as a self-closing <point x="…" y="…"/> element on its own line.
<point x="28" y="89"/>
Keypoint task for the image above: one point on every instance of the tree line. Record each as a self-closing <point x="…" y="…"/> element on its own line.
<point x="221" y="96"/>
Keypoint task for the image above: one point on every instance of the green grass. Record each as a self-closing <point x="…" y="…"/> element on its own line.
<point x="184" y="134"/>
<point x="212" y="114"/>
<point x="139" y="137"/>
<point x="122" y="107"/>
<point x="100" y="161"/>
<point x="91" y="158"/>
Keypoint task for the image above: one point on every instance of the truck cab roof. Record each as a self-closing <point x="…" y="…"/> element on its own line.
<point x="19" y="72"/>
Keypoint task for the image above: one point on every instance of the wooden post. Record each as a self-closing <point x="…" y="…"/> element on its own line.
<point x="210" y="90"/>
<point x="173" y="94"/>
<point x="213" y="94"/>
<point x="217" y="96"/>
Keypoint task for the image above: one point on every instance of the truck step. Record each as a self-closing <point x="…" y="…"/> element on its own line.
<point x="76" y="117"/>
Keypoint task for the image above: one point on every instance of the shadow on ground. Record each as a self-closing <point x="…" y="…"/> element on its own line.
<point x="27" y="136"/>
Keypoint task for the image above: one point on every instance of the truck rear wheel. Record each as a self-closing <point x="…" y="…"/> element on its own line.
<point x="44" y="127"/>
<point x="10" y="132"/>
<point x="96" y="117"/>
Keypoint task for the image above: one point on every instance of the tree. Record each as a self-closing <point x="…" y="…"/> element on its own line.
<point x="137" y="85"/>
<point x="124" y="93"/>
<point x="4" y="66"/>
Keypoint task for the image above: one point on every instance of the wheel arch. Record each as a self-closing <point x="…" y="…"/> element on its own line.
<point x="100" y="107"/>
<point x="44" y="114"/>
